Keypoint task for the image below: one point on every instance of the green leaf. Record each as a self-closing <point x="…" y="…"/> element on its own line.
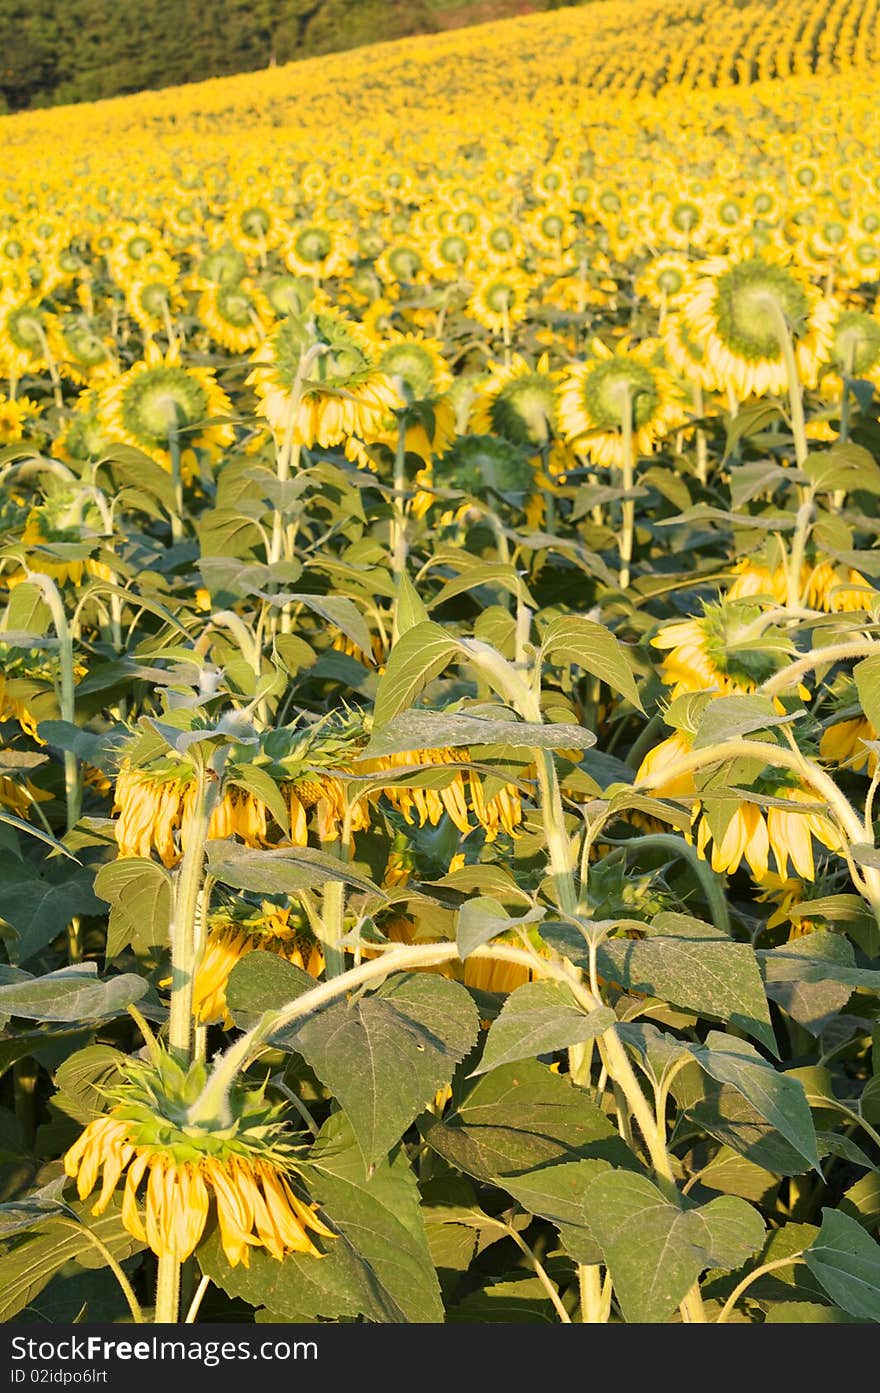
<point x="82" y="1076"/>
<point x="71" y="994"/>
<point x="843" y="465"/>
<point x="141" y="896"/>
<point x="779" y="1099"/>
<point x="343" y="614"/>
<point x="482" y="918"/>
<point x="32" y="1264"/>
<point x="422" y="730"/>
<point x="867" y="679"/>
<point x="417" y="657"/>
<point x="10" y="820"/>
<point x="540" y="1018"/>
<point x="732" y="717"/>
<point x="518" y="1118"/>
<point x="263" y="982"/>
<point x="572" y="639"/>
<point x="492" y="573"/>
<point x="378" y="1267"/>
<point x="410" y="606"/>
<point x="517" y="1299"/>
<point x="654" y="1250"/>
<point x="808" y="977"/>
<point x="128" y="465"/>
<point x="697" y="967"/>
<point x="846" y="1261"/>
<point x="736" y="1231"/>
<point x="384" y="1056"/>
<point x="283" y="872"/>
<point x="39" y="903"/>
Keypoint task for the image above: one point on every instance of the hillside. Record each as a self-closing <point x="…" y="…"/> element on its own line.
<point x="57" y="51"/>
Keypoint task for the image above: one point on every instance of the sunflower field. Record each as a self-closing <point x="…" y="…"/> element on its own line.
<point x="440" y="682"/>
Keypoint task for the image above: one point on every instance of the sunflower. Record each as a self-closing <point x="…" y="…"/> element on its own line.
<point x="287" y="295"/>
<point x="736" y="312"/>
<point x="152" y="302"/>
<point x="832" y="588"/>
<point x="719" y="651"/>
<point x="244" y="1166"/>
<point x="84" y="438"/>
<point x="234" y="315"/>
<point x="518" y="402"/>
<point x="225" y="265"/>
<point x="783" y="829"/>
<point x="661" y="765"/>
<point x="61" y="533"/>
<point x="400" y="263"/>
<point x="159" y="402"/>
<point x="346" y="398"/>
<point x="463" y="795"/>
<point x="14" y="414"/>
<point x="318" y="251"/>
<point x="80" y="351"/>
<point x="843" y="744"/>
<point x="156" y="810"/>
<point x="665" y="281"/>
<point x="417" y="365"/>
<point x="595" y="396"/>
<point x="500" y="300"/>
<point x="482" y="975"/>
<point x="24" y="336"/>
<point x="234" y="932"/>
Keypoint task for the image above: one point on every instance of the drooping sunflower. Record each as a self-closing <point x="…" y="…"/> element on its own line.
<point x="596" y="395"/>
<point x="344" y="399"/>
<point x="784" y="830"/>
<point x="160" y="401"/>
<point x="843" y="744"/>
<point x="62" y="535"/>
<point x="461" y="796"/>
<point x="738" y="312"/>
<point x="243" y="1163"/>
<point x="720" y="651"/>
<point x="156" y="807"/>
<point x="832" y="588"/>
<point x="239" y="929"/>
<point x="417" y="366"/>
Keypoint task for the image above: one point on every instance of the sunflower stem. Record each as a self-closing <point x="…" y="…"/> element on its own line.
<point x="67" y="685"/>
<point x="628" y="509"/>
<point x="168" y="1289"/>
<point x="82" y="1231"/>
<point x="398" y="524"/>
<point x="184" y="929"/>
<point x="594" y="1310"/>
<point x="176" y="482"/>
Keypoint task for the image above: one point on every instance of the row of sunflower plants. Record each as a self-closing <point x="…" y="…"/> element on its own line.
<point x="412" y="1002"/>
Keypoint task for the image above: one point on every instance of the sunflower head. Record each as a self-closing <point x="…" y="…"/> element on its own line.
<point x="855" y="344"/>
<point x="749" y="298"/>
<point x="287" y="295"/>
<point x="479" y="463"/>
<point x="235" y="1148"/>
<point x="224" y="266"/>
